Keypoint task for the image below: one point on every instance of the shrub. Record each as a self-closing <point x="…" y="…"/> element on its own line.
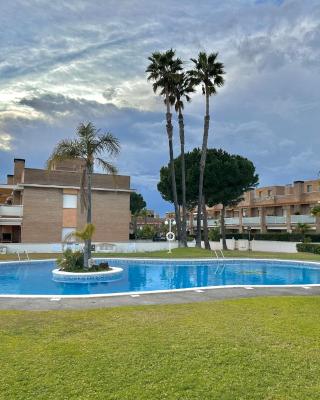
<point x="214" y="234"/>
<point x="71" y="261"/>
<point x="74" y="262"/>
<point x="277" y="236"/>
<point x="308" y="248"/>
<point x="147" y="232"/>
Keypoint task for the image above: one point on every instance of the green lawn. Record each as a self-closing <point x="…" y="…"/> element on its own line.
<point x="184" y="253"/>
<point x="261" y="348"/>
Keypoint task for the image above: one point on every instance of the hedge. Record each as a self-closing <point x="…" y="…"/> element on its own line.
<point x="308" y="248"/>
<point x="277" y="236"/>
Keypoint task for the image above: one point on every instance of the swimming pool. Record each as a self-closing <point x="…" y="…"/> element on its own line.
<point x="145" y="275"/>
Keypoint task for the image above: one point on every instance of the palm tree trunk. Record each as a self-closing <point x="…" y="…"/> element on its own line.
<point x="135" y="226"/>
<point x="183" y="182"/>
<point x="223" y="228"/>
<point x="205" y="225"/>
<point x="202" y="168"/>
<point x="87" y="247"/>
<point x="173" y="174"/>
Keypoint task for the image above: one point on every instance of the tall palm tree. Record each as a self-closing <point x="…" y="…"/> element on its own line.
<point x="209" y="73"/>
<point x="163" y="70"/>
<point x="89" y="146"/>
<point x="181" y="90"/>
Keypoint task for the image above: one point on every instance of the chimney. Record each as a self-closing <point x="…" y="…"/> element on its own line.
<point x="298" y="189"/>
<point x="9" y="179"/>
<point x="18" y="170"/>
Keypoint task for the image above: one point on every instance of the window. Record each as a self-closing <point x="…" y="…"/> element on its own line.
<point x="66" y="232"/>
<point x="70" y="201"/>
<point x="309" y="188"/>
<point x="269" y="192"/>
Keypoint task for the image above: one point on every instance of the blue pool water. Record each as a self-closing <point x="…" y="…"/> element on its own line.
<point x="145" y="275"/>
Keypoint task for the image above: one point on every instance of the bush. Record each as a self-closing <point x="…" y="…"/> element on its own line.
<point x="71" y="261"/>
<point x="277" y="236"/>
<point x="147" y="232"/>
<point x="214" y="234"/>
<point x="74" y="262"/>
<point x="308" y="248"/>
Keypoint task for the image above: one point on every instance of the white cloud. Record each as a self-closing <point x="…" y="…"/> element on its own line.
<point x="5" y="142"/>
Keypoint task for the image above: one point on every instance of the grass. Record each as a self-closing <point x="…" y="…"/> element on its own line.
<point x="249" y="349"/>
<point x="183" y="253"/>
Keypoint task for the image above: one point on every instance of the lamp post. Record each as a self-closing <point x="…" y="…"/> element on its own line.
<point x="170" y="235"/>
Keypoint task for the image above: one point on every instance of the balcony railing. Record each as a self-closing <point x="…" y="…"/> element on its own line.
<point x="11" y="211"/>
<point x="276" y="219"/>
<point x="270" y="220"/>
<point x="231" y="221"/>
<point x="251" y="220"/>
<point x="303" y="219"/>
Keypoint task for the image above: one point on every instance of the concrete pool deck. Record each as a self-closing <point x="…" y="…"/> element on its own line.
<point x="174" y="297"/>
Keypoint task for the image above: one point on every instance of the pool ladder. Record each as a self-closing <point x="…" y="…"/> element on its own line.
<point x="26" y="254"/>
<point x="220" y="267"/>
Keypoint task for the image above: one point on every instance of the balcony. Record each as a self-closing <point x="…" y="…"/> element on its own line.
<point x="255" y="221"/>
<point x="274" y="220"/>
<point x="303" y="219"/>
<point x="251" y="220"/>
<point x="231" y="221"/>
<point x="11" y="211"/>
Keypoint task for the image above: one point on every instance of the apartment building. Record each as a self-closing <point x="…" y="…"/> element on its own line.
<point x="41" y="206"/>
<point x="269" y="209"/>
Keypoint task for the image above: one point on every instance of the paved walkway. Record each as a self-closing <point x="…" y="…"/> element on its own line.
<point x="56" y="303"/>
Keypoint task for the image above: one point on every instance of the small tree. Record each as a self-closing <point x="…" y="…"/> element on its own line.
<point x="315" y="211"/>
<point x="303" y="229"/>
<point x="146" y="232"/>
<point x="137" y="204"/>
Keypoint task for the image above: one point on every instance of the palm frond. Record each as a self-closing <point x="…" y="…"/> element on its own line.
<point x="208" y="72"/>
<point x="66" y="149"/>
<point x="107" y="143"/>
<point x="107" y="166"/>
<point x="85" y="234"/>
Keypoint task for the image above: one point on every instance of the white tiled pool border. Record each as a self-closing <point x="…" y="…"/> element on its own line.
<point x="167" y="260"/>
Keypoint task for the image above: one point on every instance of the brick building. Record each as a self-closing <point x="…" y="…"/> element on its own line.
<point x="267" y="209"/>
<point x="41" y="206"/>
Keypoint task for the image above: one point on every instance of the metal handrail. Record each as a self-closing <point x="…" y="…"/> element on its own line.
<point x="26" y="254"/>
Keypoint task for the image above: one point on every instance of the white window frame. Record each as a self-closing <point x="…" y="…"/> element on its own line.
<point x="70" y="201"/>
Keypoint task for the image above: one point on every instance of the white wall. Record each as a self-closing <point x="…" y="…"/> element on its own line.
<point x="257" y="245"/>
<point x="125" y="247"/>
<point x="144" y="246"/>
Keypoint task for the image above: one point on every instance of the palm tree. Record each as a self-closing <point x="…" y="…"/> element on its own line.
<point x="209" y="73"/>
<point x="89" y="146"/>
<point x="181" y="90"/>
<point x="85" y="234"/>
<point x="164" y="70"/>
<point x="303" y="229"/>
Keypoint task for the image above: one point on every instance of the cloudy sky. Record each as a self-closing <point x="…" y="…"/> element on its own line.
<point x="64" y="62"/>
